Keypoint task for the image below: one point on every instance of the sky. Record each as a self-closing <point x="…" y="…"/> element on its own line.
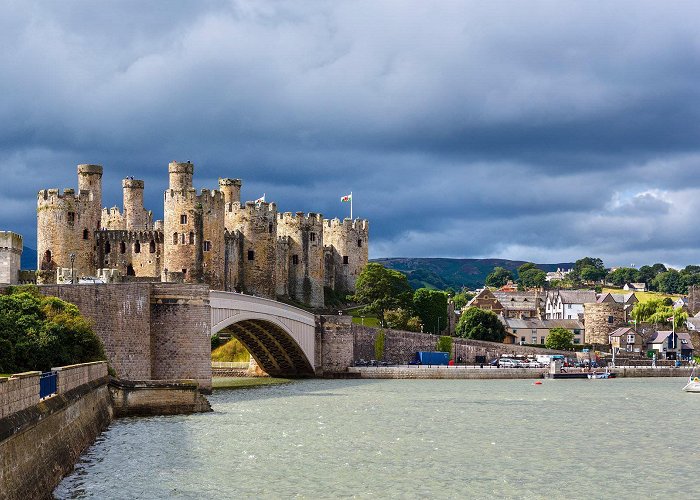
<point x="542" y="131"/>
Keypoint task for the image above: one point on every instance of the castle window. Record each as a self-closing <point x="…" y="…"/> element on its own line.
<point x="346" y="259"/>
<point x="610" y="319"/>
<point x="122" y="247"/>
<point x="86" y="234"/>
<point x="71" y="217"/>
<point x="152" y="247"/>
<point x="47" y="256"/>
<point x="312" y="237"/>
<point x="182" y="238"/>
<point x="174" y="238"/>
<point x="295" y="259"/>
<point x="359" y="243"/>
<point x="191" y="237"/>
<point x="207" y="246"/>
<point x="183" y="219"/>
<point x="269" y="227"/>
<point x="251" y="254"/>
<point x="108" y="247"/>
<point x="130" y="270"/>
<point x="137" y="247"/>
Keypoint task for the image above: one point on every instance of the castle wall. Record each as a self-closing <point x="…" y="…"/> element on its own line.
<point x="600" y="319"/>
<point x="282" y="265"/>
<point x="10" y="257"/>
<point x="349" y="241"/>
<point x="132" y="253"/>
<point x="305" y="262"/>
<point x="257" y="224"/>
<point x="233" y="261"/>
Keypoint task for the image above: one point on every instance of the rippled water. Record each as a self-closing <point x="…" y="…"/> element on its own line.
<point x="624" y="438"/>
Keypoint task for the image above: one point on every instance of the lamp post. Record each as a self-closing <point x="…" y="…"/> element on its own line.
<point x="72" y="261"/>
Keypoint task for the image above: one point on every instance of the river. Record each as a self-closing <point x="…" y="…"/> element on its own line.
<point x="622" y="438"/>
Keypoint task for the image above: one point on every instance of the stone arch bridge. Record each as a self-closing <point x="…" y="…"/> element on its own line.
<point x="281" y="338"/>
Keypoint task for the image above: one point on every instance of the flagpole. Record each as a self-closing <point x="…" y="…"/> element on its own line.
<point x="350" y="205"/>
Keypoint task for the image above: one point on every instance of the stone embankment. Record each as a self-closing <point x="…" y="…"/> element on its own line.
<point x="41" y="439"/>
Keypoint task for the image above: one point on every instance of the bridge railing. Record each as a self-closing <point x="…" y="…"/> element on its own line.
<point x="228" y="300"/>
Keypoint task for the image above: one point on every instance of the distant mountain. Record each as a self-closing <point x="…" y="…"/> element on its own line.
<point x="455" y="273"/>
<point x="28" y="258"/>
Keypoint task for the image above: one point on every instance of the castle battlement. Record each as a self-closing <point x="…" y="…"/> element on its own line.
<point x="206" y="196"/>
<point x="347" y="223"/>
<point x="11" y="241"/>
<point x="301" y="217"/>
<point x="123" y="235"/>
<point x="252" y="207"/>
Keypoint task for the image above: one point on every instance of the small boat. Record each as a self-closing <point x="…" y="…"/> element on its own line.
<point x="605" y="374"/>
<point x="693" y="384"/>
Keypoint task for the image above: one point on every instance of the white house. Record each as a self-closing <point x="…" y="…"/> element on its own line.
<point x="567" y="304"/>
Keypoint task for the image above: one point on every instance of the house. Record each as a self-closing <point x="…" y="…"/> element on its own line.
<point x="671" y="345"/>
<point x="693" y="323"/>
<point x="557" y="275"/>
<point x="535" y="330"/>
<point x="567" y="304"/>
<point x="509" y="287"/>
<point x="484" y="299"/>
<point x="635" y="287"/>
<point x="626" y="339"/>
<point x="681" y="303"/>
<point x="520" y="304"/>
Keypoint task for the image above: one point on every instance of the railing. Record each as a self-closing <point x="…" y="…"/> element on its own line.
<point x="47" y="384"/>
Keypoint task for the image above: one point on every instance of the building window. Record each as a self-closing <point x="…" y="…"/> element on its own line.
<point x="86" y="234"/>
<point x="295" y="259"/>
<point x="522" y="339"/>
<point x="312" y="236"/>
<point x="183" y="219"/>
<point x="270" y="227"/>
<point x="207" y="246"/>
<point x="152" y="246"/>
<point x="182" y="238"/>
<point x="568" y="306"/>
<point x="122" y="247"/>
<point x="191" y="237"/>
<point x="108" y="247"/>
<point x="630" y="339"/>
<point x="542" y="340"/>
<point x="359" y="243"/>
<point x="610" y="319"/>
<point x="346" y="260"/>
<point x="71" y="217"/>
<point x="174" y="238"/>
<point x="251" y="254"/>
<point x="137" y="247"/>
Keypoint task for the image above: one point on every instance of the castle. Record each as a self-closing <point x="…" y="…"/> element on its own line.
<point x="207" y="237"/>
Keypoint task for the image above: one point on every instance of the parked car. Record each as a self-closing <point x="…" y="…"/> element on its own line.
<point x="531" y="363"/>
<point x="509" y="363"/>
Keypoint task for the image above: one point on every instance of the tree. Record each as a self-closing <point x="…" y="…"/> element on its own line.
<point x="380" y="289"/>
<point x="431" y="308"/>
<point x="622" y="275"/>
<point x="462" y="299"/>
<point x="39" y="332"/>
<point x="588" y="269"/>
<point x="402" y="319"/>
<point x="657" y="312"/>
<point x="444" y="344"/>
<point x="532" y="278"/>
<point x="559" y="338"/>
<point x="669" y="281"/>
<point x="499" y="277"/>
<point x="479" y="324"/>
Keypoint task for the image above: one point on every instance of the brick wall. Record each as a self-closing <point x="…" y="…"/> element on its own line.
<point x="181" y="333"/>
<point x="18" y="392"/>
<point x="120" y="313"/>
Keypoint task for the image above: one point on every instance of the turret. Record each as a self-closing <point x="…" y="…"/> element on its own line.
<point x="180" y="175"/>
<point x="90" y="181"/>
<point x="10" y="257"/>
<point x="136" y="218"/>
<point x="231" y="189"/>
<point x="304" y="247"/>
<point x="347" y="254"/>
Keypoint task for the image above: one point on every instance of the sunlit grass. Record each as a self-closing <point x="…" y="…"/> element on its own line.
<point x="643" y="296"/>
<point x="245" y="382"/>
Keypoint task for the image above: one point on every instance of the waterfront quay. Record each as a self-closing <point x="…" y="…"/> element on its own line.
<point x="477" y="372"/>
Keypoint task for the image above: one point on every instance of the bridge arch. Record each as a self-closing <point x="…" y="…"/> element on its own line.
<point x="280" y="338"/>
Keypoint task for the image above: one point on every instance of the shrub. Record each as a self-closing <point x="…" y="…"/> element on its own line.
<point x="444" y="344"/>
<point x="379" y="342"/>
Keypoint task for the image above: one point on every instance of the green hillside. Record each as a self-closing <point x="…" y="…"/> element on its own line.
<point x="444" y="273"/>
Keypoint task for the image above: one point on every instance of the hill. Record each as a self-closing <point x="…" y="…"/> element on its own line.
<point x="445" y="273"/>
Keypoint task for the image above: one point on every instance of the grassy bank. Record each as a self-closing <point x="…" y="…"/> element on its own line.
<point x="245" y="382"/>
<point x="643" y="296"/>
<point x="368" y="320"/>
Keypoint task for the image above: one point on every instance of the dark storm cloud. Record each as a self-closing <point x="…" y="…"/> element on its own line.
<point x="539" y="130"/>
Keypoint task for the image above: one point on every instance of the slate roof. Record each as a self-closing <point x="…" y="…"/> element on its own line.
<point x="540" y="324"/>
<point x="577" y="296"/>
<point x="622" y="331"/>
<point x="518" y="300"/>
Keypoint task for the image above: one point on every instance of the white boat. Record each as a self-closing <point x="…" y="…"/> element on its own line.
<point x="605" y="374"/>
<point x="693" y="384"/>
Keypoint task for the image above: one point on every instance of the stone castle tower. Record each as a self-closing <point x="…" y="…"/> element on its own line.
<point x="66" y="224"/>
<point x="10" y="257"/>
<point x="346" y="252"/>
<point x="207" y="237"/>
<point x="601" y="319"/>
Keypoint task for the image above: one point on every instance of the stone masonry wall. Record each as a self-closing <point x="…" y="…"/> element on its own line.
<point x="120" y="314"/>
<point x="10" y="257"/>
<point x="180" y="320"/>
<point x="72" y="376"/>
<point x="600" y="319"/>
<point x="336" y="346"/>
<point x="18" y="392"/>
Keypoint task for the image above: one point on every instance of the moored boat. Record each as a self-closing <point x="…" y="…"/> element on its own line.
<point x="693" y="384"/>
